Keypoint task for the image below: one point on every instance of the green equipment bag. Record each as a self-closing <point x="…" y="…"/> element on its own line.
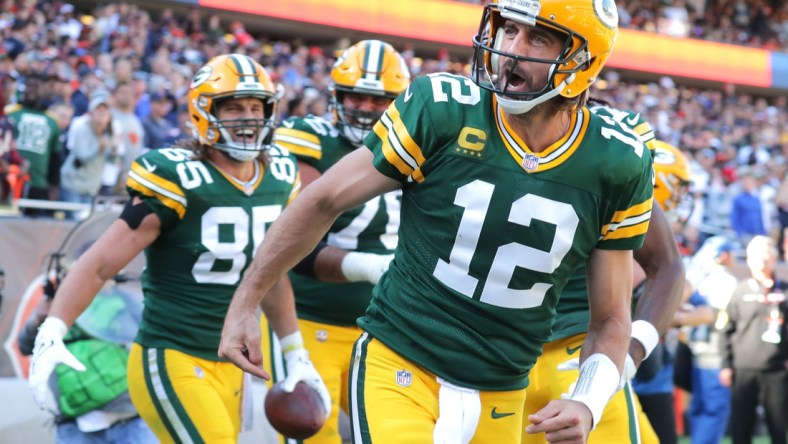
<point x="103" y="380"/>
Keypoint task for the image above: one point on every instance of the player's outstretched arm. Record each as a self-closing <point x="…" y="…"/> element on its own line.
<point x="349" y="183"/>
<point x="103" y="260"/>
<point x="660" y="259"/>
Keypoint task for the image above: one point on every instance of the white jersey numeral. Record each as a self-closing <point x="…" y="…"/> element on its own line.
<point x="231" y="250"/>
<point x="438" y="80"/>
<point x="475" y="198"/>
<point x="347" y="238"/>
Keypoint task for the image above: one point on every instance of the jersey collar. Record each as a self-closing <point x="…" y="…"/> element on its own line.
<point x="554" y="155"/>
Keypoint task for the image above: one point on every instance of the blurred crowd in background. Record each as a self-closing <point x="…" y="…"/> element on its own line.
<point x="756" y="23"/>
<point x="84" y="92"/>
<point x="74" y="65"/>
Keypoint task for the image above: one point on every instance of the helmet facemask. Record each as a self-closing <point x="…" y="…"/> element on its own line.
<point x="368" y="68"/>
<point x="354" y="123"/>
<point x="569" y="74"/>
<point x="227" y="77"/>
<point x="221" y="132"/>
<point x="673" y="195"/>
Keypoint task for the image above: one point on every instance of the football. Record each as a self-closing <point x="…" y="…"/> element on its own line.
<point x="296" y="415"/>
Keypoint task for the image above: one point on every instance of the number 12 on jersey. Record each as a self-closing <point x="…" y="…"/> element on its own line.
<point x="475" y="198"/>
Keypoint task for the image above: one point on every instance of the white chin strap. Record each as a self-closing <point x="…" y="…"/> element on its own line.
<point x="236" y="150"/>
<point x="355" y="135"/>
<point x="241" y="155"/>
<point x="515" y="106"/>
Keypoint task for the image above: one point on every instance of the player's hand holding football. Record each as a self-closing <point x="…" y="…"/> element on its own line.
<point x="49" y="351"/>
<point x="563" y="421"/>
<point x="300" y="368"/>
<point x="240" y="344"/>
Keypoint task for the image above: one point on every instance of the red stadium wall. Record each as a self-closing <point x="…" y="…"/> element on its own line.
<point x="454" y="23"/>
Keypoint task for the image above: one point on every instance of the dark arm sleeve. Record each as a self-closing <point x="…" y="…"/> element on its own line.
<point x="27" y="337"/>
<point x="53" y="173"/>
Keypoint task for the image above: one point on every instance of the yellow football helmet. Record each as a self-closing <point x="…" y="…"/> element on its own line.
<point x="672" y="180"/>
<point x="226" y="77"/>
<point x="370" y="67"/>
<point x="589" y="26"/>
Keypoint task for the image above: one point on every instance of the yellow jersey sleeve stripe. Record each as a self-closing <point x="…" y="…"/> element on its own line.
<point x="299" y="150"/>
<point x="634" y="216"/>
<point x="635" y="210"/>
<point x="174" y="205"/>
<point x="388" y="151"/>
<point x="167" y="187"/>
<point x="412" y="148"/>
<point x="643" y="129"/>
<point x="395" y="152"/>
<point x="298" y="142"/>
<point x="628" y="232"/>
<point x="296" y="188"/>
<point x="294" y="134"/>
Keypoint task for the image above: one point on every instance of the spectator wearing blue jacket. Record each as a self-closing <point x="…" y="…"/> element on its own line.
<point x="747" y="212"/>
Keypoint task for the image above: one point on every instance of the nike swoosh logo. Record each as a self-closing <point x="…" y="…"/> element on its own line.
<point x="288" y="124"/>
<point x="408" y="94"/>
<point x="571" y="350"/>
<point x="496" y="415"/>
<point x="633" y="120"/>
<point x="148" y="166"/>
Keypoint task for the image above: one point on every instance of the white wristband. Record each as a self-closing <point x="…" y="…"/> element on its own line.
<point x="53" y="326"/>
<point x="646" y="334"/>
<point x="598" y="382"/>
<point x="365" y="267"/>
<point x="291" y="342"/>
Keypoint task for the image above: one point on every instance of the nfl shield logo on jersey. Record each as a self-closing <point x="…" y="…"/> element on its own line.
<point x="530" y="162"/>
<point x="404" y="378"/>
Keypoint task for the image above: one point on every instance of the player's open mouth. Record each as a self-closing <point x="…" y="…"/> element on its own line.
<point x="513" y="81"/>
<point x="245" y="136"/>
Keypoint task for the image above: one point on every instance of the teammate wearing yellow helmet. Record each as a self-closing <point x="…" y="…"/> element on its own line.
<point x="199" y="214"/>
<point x="365" y="79"/>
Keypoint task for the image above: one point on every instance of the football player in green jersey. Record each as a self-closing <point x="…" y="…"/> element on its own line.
<point x="659" y="257"/>
<point x="364" y="81"/>
<point x="508" y="184"/>
<point x="199" y="215"/>
<point x="37" y="140"/>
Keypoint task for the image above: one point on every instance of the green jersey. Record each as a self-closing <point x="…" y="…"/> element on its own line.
<point x="211" y="224"/>
<point x="370" y="228"/>
<point x="37" y="139"/>
<point x="572" y="313"/>
<point x="490" y="231"/>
